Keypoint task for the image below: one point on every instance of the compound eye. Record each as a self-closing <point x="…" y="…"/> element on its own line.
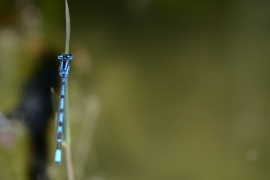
<point x="69" y="56"/>
<point x="60" y="56"/>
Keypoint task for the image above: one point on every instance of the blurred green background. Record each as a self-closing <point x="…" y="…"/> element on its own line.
<point x="159" y="89"/>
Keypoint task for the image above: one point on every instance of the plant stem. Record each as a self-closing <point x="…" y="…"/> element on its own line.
<point x="67" y="27"/>
<point x="69" y="163"/>
<point x="67" y="145"/>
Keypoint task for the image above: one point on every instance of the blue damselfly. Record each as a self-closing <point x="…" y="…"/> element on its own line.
<point x="60" y="128"/>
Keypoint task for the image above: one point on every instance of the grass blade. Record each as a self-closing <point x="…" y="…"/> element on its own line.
<point x="67" y="138"/>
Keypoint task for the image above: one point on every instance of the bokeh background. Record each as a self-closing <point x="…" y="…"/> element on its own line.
<point x="158" y="89"/>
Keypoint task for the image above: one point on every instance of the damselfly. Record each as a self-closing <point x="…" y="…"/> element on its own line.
<point x="60" y="128"/>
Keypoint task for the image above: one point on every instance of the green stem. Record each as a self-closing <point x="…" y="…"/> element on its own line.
<point x="67" y="28"/>
<point x="67" y="138"/>
<point x="69" y="163"/>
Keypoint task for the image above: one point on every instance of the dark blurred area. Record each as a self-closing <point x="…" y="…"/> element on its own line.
<point x="158" y="89"/>
<point x="35" y="110"/>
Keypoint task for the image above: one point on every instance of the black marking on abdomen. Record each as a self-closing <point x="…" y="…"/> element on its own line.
<point x="58" y="145"/>
<point x="59" y="136"/>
